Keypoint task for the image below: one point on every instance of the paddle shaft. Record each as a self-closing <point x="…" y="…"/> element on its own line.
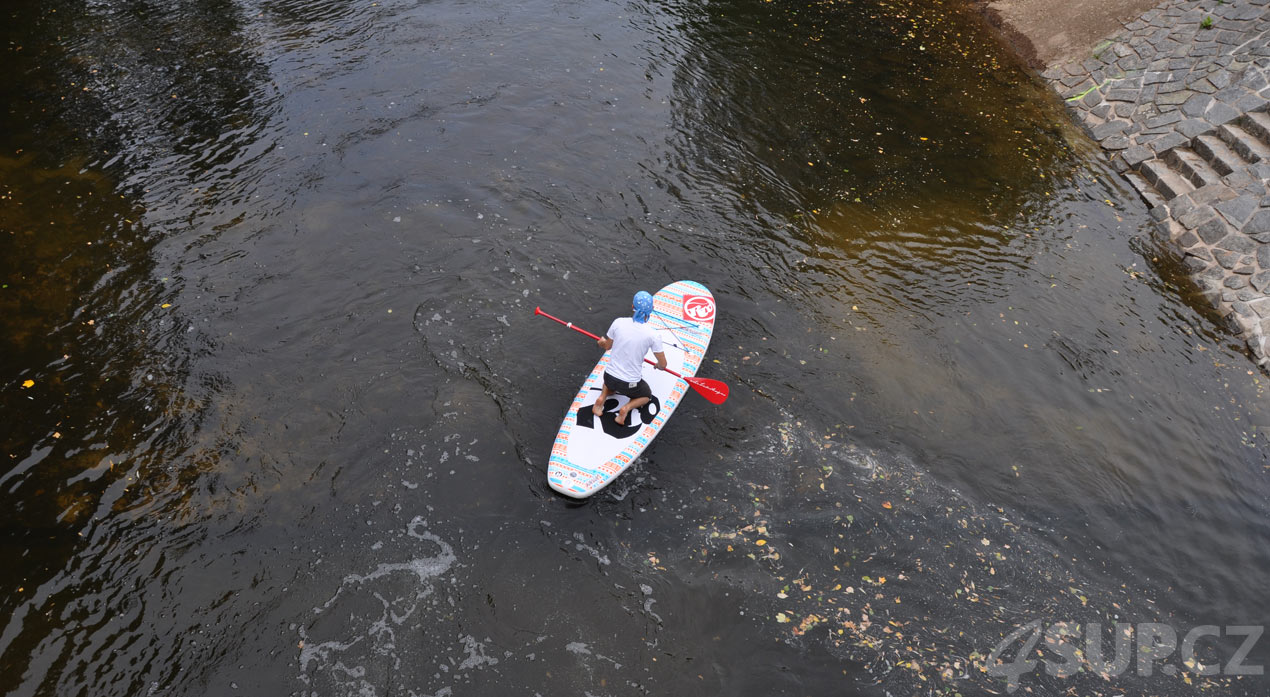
<point x="715" y="391"/>
<point x="580" y="330"/>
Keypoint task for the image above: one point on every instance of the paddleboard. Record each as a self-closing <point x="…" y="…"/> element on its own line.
<point x="589" y="451"/>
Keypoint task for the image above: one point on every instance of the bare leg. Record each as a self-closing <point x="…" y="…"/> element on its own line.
<point x="626" y="409"/>
<point x="598" y="407"/>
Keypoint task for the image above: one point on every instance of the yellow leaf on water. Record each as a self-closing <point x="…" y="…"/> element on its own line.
<point x="166" y="305"/>
<point x="28" y="384"/>
<point x="760" y="543"/>
<point x="886" y="504"/>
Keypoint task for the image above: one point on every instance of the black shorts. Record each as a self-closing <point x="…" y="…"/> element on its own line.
<point x="622" y="387"/>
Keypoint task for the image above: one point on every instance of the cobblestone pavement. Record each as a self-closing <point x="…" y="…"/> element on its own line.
<point x="1179" y="101"/>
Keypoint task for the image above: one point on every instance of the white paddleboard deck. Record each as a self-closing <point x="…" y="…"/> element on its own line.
<point x="590" y="451"/>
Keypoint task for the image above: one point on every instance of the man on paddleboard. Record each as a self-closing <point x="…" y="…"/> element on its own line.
<point x="627" y="341"/>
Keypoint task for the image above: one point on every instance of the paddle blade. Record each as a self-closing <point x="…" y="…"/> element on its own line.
<point x="714" y="391"/>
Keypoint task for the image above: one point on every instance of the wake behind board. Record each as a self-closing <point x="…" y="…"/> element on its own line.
<point x="590" y="451"/>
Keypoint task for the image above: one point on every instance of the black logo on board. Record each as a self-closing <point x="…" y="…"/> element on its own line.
<point x="608" y="418"/>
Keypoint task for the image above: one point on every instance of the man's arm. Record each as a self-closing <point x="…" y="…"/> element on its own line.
<point x="605" y="343"/>
<point x="661" y="360"/>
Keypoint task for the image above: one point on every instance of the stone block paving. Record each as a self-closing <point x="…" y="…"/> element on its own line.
<point x="1180" y="100"/>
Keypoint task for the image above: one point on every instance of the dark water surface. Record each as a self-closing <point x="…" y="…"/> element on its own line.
<point x="276" y="412"/>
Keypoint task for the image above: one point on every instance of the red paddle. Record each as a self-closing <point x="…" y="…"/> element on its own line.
<point x="714" y="391"/>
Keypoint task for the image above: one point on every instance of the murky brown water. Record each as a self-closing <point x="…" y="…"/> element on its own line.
<point x="277" y="413"/>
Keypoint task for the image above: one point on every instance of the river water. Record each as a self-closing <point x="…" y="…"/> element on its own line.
<point x="276" y="410"/>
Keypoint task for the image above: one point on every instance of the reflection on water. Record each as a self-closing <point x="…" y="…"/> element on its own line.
<point x="269" y="272"/>
<point x="848" y="111"/>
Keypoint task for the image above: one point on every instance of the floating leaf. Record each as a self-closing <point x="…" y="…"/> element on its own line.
<point x="807" y="623"/>
<point x="28" y="384"/>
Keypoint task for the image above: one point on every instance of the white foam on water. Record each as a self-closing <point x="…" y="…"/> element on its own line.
<point x="352" y="640"/>
<point x="581" y="546"/>
<point x="583" y="649"/>
<point x="443" y="692"/>
<point x="647" y="590"/>
<point x="476" y="656"/>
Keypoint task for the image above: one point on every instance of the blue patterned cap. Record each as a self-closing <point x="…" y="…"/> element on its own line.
<point x="643" y="306"/>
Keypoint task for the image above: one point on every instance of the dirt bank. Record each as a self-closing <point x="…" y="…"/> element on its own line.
<point x="1050" y="32"/>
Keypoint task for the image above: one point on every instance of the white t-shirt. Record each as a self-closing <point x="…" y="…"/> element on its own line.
<point x="631" y="342"/>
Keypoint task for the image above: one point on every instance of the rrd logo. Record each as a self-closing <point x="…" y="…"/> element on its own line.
<point x="699" y="308"/>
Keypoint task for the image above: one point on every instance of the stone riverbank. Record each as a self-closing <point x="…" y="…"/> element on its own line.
<point x="1178" y="97"/>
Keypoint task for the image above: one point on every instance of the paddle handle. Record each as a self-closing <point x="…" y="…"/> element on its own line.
<point x="580" y="330"/>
